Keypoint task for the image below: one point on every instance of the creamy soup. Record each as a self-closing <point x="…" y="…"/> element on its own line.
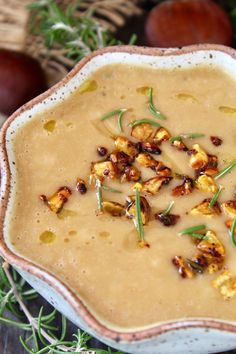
<point x="126" y="274"/>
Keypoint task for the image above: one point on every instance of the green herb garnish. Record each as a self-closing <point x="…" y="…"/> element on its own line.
<point x="143" y="121"/>
<point x="215" y="197"/>
<point x="111" y="114"/>
<point x="186" y="136"/>
<point x="168" y="209"/>
<point x="198" y="236"/>
<point x="192" y="229"/>
<point x="225" y="170"/>
<point x="152" y="108"/>
<point x="99" y="194"/>
<point x="109" y="189"/>
<point x="139" y="221"/>
<point x="232" y="233"/>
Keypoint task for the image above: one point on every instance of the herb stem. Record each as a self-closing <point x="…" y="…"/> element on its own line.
<point x="225" y="170"/>
<point x="168" y="209"/>
<point x="139" y="221"/>
<point x="99" y="194"/>
<point x="143" y="121"/>
<point x="215" y="197"/>
<point x="186" y="136"/>
<point x="120" y="112"/>
<point x="192" y="229"/>
<point x="152" y="109"/>
<point x="232" y="233"/>
<point x="109" y="189"/>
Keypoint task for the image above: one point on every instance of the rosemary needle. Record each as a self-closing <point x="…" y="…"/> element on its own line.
<point x="120" y="112"/>
<point x="99" y="194"/>
<point x="152" y="108"/>
<point x="143" y="121"/>
<point x="192" y="229"/>
<point x="168" y="209"/>
<point x="225" y="170"/>
<point x="139" y="222"/>
<point x="187" y="136"/>
<point x="232" y="233"/>
<point x="215" y="197"/>
<point x="109" y="189"/>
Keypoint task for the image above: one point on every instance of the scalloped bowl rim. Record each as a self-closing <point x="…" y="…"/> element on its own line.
<point x="222" y="56"/>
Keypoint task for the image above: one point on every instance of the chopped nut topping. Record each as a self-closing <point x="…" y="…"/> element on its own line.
<point x="81" y="186"/>
<point x="126" y="146"/>
<point x="211" y="171"/>
<point x="185" y="188"/>
<point x="146" y="160"/>
<point x="229" y="208"/>
<point x="161" y="135"/>
<point x="113" y="208"/>
<point x="198" y="157"/>
<point x="131" y="173"/>
<point x="204" y="209"/>
<point x="150" y="147"/>
<point x="211" y="246"/>
<point x="57" y="200"/>
<point x="145" y="209"/>
<point x="143" y="132"/>
<point x="216" y="140"/>
<point x="162" y="170"/>
<point x="182" y="266"/>
<point x="167" y="220"/>
<point x="104" y="169"/>
<point x="120" y="160"/>
<point x="212" y="161"/>
<point x="200" y="260"/>
<point x="179" y="144"/>
<point x="153" y="185"/>
<point x="226" y="283"/>
<point x="102" y="151"/>
<point x="206" y="184"/>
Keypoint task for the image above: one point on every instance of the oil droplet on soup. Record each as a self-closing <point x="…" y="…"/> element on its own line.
<point x="65" y="213"/>
<point x="143" y="90"/>
<point x="104" y="234"/>
<point x="47" y="237"/>
<point x="227" y="109"/>
<point x="88" y="86"/>
<point x="50" y="126"/>
<point x="186" y="97"/>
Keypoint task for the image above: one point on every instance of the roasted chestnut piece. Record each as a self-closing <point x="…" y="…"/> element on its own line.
<point x="57" y="200"/>
<point x="185" y="188"/>
<point x="103" y="169"/>
<point x="211" y="246"/>
<point x="206" y="184"/>
<point x="204" y="209"/>
<point x="131" y="173"/>
<point x="146" y="160"/>
<point x="198" y="157"/>
<point x="145" y="208"/>
<point x="120" y="160"/>
<point x="153" y="185"/>
<point x="226" y="283"/>
<point x="143" y="132"/>
<point x="184" y="270"/>
<point x="179" y="144"/>
<point x="113" y="208"/>
<point x="167" y="220"/>
<point x="125" y="145"/>
<point x="229" y="208"/>
<point x="161" y="135"/>
<point x="151" y="148"/>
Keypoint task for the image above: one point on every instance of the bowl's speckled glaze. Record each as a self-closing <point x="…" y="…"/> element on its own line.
<point x="182" y="336"/>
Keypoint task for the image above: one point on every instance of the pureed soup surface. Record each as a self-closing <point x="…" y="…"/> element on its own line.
<point x="97" y="254"/>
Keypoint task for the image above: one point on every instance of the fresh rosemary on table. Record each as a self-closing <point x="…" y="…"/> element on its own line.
<point x="42" y="336"/>
<point x="76" y="36"/>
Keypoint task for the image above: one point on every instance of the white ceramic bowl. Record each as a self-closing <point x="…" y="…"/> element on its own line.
<point x="192" y="335"/>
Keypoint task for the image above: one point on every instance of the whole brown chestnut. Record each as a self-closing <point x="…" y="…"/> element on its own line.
<point x="176" y="23"/>
<point x="21" y="79"/>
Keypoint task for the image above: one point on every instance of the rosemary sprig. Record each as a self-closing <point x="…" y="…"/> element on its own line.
<point x="143" y="121"/>
<point x="75" y="35"/>
<point x="192" y="229"/>
<point x="198" y="236"/>
<point x="152" y="109"/>
<point x="186" y="136"/>
<point x="225" y="170"/>
<point x="109" y="189"/>
<point x="168" y="209"/>
<point x="42" y="337"/>
<point x="232" y="233"/>
<point x="138" y="216"/>
<point x="99" y="194"/>
<point x="215" y="197"/>
<point x="120" y="112"/>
